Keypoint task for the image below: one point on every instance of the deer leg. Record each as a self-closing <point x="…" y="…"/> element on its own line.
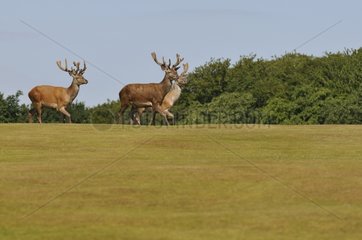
<point x="153" y="118"/>
<point x="171" y="116"/>
<point x="135" y="119"/>
<point x="121" y="112"/>
<point x="61" y="117"/>
<point x="31" y="114"/>
<point x="139" y="115"/>
<point x="66" y="113"/>
<point x="158" y="109"/>
<point x="38" y="112"/>
<point x="132" y="116"/>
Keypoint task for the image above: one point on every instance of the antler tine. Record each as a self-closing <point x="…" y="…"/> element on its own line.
<point x="59" y="63"/>
<point x="78" y="70"/>
<point x="169" y="63"/>
<point x="153" y="54"/>
<point x="178" y="60"/>
<point x="186" y="68"/>
<point x="84" y="67"/>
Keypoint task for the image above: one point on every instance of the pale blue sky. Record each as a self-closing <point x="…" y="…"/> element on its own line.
<point x="118" y="37"/>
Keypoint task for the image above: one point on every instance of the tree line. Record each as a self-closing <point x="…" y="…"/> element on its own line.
<point x="291" y="89"/>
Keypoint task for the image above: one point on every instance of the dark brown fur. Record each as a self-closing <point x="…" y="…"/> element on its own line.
<point x="151" y="94"/>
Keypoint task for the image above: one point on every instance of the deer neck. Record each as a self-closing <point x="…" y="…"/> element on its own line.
<point x="166" y="84"/>
<point x="72" y="91"/>
<point x="174" y="93"/>
<point x="177" y="90"/>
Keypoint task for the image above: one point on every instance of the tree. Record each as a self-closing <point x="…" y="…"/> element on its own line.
<point x="105" y="113"/>
<point x="231" y="108"/>
<point x="206" y="82"/>
<point x="11" y="110"/>
<point x="290" y="89"/>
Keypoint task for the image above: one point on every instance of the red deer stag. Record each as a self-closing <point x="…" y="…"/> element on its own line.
<point x="150" y="94"/>
<point x="169" y="100"/>
<point x="57" y="97"/>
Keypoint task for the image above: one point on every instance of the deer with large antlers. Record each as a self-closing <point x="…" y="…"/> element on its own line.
<point x="168" y="101"/>
<point x="57" y="97"/>
<point x="150" y="94"/>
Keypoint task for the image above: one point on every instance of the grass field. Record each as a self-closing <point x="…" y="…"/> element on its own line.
<point x="207" y="182"/>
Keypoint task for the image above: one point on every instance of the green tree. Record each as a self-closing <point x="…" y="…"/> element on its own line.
<point x="11" y="110"/>
<point x="206" y="82"/>
<point x="231" y="108"/>
<point x="106" y="112"/>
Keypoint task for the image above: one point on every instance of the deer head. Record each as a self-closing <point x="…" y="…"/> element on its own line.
<point x="170" y="71"/>
<point x="76" y="73"/>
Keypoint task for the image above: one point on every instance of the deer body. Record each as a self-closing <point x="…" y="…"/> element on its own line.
<point x="56" y="97"/>
<point x="168" y="101"/>
<point x="151" y="94"/>
<point x="144" y="95"/>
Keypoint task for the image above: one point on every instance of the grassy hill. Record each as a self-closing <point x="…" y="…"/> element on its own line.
<point x="61" y="181"/>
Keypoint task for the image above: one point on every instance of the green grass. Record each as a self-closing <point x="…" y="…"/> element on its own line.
<point x="202" y="182"/>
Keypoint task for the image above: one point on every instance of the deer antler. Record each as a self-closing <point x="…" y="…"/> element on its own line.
<point x="163" y="64"/>
<point x="72" y="70"/>
<point x="65" y="69"/>
<point x="84" y="68"/>
<point x="178" y="60"/>
<point x="76" y="64"/>
<point x="186" y="68"/>
<point x="153" y="54"/>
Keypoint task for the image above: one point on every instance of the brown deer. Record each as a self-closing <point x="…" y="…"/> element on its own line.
<point x="57" y="97"/>
<point x="150" y="94"/>
<point x="168" y="101"/>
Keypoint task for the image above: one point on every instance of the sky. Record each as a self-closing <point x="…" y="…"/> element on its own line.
<point x="117" y="37"/>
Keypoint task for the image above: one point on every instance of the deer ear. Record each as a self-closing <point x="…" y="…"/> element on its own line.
<point x="163" y="67"/>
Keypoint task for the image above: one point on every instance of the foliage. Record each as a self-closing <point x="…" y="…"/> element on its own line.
<point x="105" y="113"/>
<point x="11" y="110"/>
<point x="290" y="89"/>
